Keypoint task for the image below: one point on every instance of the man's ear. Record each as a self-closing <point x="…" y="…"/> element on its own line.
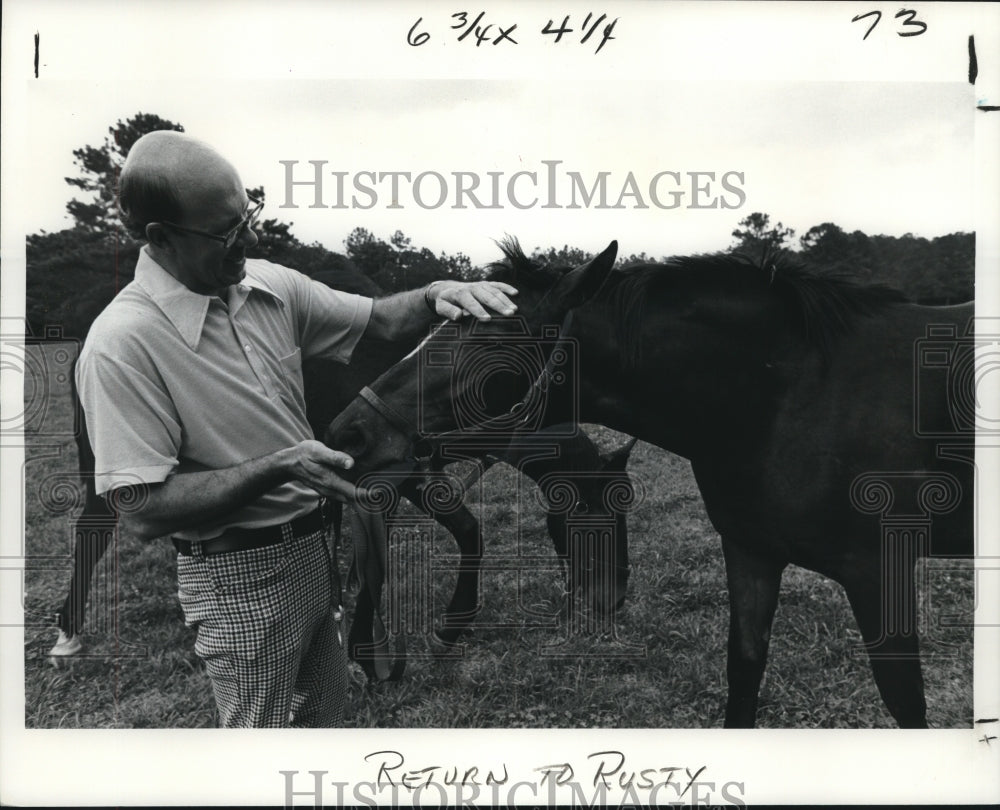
<point x="157" y="236"/>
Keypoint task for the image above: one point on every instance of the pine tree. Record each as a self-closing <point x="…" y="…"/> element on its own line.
<point x="755" y="236"/>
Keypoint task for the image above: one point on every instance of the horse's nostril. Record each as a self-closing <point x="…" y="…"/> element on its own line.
<point x="352" y="441"/>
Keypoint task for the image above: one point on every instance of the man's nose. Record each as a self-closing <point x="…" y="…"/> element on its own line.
<point x="248" y="236"/>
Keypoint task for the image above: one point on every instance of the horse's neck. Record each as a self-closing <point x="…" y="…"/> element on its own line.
<point x="690" y="388"/>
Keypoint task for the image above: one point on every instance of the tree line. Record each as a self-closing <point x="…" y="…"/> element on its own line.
<point x="929" y="271"/>
<point x="73" y="273"/>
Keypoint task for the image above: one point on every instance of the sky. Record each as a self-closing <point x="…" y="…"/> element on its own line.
<point x="888" y="158"/>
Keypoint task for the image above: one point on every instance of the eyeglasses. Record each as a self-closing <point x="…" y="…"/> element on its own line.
<point x="229" y="238"/>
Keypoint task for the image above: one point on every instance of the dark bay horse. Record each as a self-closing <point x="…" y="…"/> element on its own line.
<point x="829" y="425"/>
<point x="329" y="387"/>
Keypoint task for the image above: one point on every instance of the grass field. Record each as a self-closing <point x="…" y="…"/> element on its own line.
<point x="668" y="667"/>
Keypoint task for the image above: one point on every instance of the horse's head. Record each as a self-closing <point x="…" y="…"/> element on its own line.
<point x="588" y="500"/>
<point x="482" y="384"/>
<point x="476" y="380"/>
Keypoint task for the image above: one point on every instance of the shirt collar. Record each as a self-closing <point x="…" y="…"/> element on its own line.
<point x="185" y="309"/>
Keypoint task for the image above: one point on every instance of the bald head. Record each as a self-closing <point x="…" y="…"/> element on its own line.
<point x="170" y="176"/>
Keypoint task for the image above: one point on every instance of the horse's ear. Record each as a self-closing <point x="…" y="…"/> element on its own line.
<point x="584" y="282"/>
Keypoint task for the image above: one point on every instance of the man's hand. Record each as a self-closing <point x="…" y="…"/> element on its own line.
<point x="193" y="498"/>
<point x="454" y="299"/>
<point x="403" y="317"/>
<point x="314" y="464"/>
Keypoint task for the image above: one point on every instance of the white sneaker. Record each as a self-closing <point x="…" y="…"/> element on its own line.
<point x="65" y="648"/>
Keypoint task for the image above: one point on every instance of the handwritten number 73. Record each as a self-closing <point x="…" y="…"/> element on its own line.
<point x="910" y="20"/>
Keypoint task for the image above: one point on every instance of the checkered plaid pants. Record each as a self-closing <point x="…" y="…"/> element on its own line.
<point x="267" y="634"/>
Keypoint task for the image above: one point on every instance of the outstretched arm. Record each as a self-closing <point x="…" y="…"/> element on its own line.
<point x="405" y="316"/>
<point x="189" y="499"/>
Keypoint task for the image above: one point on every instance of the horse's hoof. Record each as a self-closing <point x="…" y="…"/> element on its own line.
<point x="64" y="649"/>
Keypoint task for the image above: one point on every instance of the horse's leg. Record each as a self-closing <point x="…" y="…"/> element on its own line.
<point x="754" y="582"/>
<point x="616" y="464"/>
<point x="361" y="633"/>
<point x="894" y="652"/>
<point x="555" y="522"/>
<point x="575" y="453"/>
<point x="623" y="568"/>
<point x="93" y="532"/>
<point x="464" y="605"/>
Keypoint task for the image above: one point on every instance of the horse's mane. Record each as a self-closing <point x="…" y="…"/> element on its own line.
<point x="516" y="267"/>
<point x="822" y="304"/>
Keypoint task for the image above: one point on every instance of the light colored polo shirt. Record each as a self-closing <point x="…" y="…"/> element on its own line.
<point x="172" y="381"/>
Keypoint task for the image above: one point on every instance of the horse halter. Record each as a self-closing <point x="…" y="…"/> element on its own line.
<point x="416" y="438"/>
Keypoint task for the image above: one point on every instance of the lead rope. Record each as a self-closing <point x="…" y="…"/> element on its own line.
<point x="330" y="514"/>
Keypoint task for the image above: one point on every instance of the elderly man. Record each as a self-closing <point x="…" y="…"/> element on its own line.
<point x="191" y="381"/>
